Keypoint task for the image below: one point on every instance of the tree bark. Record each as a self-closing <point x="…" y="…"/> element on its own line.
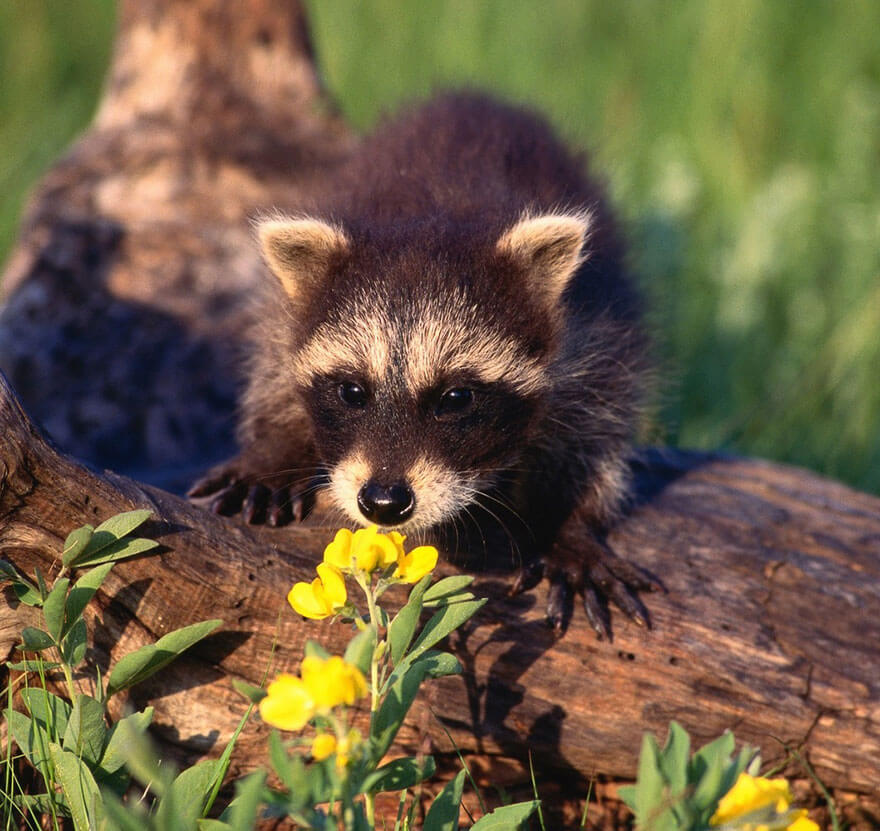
<point x="766" y="626"/>
<point x="124" y="311"/>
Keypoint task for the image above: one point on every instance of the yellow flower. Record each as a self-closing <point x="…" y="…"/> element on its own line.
<point x="323" y="745"/>
<point x="338" y="552"/>
<point x="347" y="747"/>
<point x="366" y="549"/>
<point x="332" y="682"/>
<point x="753" y="794"/>
<point x="288" y="704"/>
<point x="323" y="597"/>
<point x="325" y="683"/>
<point x="414" y="566"/>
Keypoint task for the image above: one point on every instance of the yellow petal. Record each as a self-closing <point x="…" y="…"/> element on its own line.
<point x="287" y="704"/>
<point x="332" y="682"/>
<point x="414" y="566"/>
<point x="749" y="794"/>
<point x="803" y="823"/>
<point x="323" y="745"/>
<point x="333" y="584"/>
<point x="338" y="552"/>
<point x="310" y="600"/>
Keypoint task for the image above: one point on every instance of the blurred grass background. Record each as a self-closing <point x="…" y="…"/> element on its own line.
<point x="740" y="142"/>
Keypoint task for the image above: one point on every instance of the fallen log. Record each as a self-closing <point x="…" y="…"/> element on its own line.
<point x="771" y="574"/>
<point x="123" y="310"/>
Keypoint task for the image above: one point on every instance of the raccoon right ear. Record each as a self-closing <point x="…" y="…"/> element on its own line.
<point x="301" y="251"/>
<point x="549" y="249"/>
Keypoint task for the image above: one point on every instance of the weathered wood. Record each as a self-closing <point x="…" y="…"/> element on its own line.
<point x="769" y="625"/>
<point x="127" y="294"/>
<point x="124" y="307"/>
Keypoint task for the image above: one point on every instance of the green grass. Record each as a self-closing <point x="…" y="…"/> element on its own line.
<point x="741" y="142"/>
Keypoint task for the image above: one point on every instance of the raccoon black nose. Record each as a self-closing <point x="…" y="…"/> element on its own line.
<point x="386" y="505"/>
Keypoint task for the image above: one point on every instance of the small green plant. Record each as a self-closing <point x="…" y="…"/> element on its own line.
<point x="714" y="788"/>
<point x="331" y="781"/>
<point x="69" y="740"/>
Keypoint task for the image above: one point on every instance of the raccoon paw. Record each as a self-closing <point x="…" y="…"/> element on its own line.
<point x="598" y="576"/>
<point x="275" y="503"/>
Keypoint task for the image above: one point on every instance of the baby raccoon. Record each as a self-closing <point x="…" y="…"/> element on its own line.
<point x="452" y="347"/>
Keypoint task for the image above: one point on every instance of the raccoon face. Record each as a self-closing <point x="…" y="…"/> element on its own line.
<point x="423" y="375"/>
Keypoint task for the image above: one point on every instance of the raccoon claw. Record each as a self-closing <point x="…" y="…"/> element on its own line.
<point x="560" y="603"/>
<point x="231" y="493"/>
<point x="601" y="580"/>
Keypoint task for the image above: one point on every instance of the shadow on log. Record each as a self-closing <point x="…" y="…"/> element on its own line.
<point x="125" y="303"/>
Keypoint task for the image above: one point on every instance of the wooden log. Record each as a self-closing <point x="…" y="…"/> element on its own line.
<point x="766" y="628"/>
<point x="123" y="312"/>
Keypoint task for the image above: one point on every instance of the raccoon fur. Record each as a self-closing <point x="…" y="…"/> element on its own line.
<point x="452" y="347"/>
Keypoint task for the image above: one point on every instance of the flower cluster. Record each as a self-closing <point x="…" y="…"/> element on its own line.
<point x="292" y="701"/>
<point x="362" y="553"/>
<point x="756" y="803"/>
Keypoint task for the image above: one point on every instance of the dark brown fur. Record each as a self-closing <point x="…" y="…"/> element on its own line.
<point x="420" y="211"/>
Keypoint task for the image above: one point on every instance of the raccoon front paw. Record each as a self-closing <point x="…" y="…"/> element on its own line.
<point x="598" y="576"/>
<point x="269" y="500"/>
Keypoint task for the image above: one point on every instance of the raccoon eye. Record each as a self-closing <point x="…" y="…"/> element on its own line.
<point x="454" y="401"/>
<point x="352" y="393"/>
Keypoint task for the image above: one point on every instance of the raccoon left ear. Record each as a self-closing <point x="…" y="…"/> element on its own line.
<point x="549" y="248"/>
<point x="300" y="252"/>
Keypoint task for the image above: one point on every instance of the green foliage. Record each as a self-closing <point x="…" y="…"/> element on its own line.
<point x="679" y="792"/>
<point x="80" y="756"/>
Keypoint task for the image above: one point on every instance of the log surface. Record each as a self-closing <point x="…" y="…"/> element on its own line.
<point x="124" y="308"/>
<point x="766" y="627"/>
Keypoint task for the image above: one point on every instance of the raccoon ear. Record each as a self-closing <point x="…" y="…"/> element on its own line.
<point x="549" y="248"/>
<point x="300" y="251"/>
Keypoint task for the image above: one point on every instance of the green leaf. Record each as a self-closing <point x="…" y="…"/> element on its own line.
<point x="123" y="734"/>
<point x="80" y="789"/>
<point x="35" y="640"/>
<point x="242" y="811"/>
<point x="31" y="739"/>
<point x="707" y="771"/>
<point x="627" y="795"/>
<point x="133" y="744"/>
<point x="253" y="694"/>
<point x="403" y="626"/>
<point x="53" y="608"/>
<point x="399" y="775"/>
<point x="313" y="648"/>
<point x="131" y="816"/>
<point x="144" y="662"/>
<point x="444" y="621"/>
<point x="360" y="649"/>
<point x="649" y="783"/>
<point x="32" y="666"/>
<point x="24" y="590"/>
<point x="675" y="757"/>
<point x="396" y="703"/>
<point x="446" y="587"/>
<point x="290" y="769"/>
<point x="75" y="644"/>
<point x="507" y="817"/>
<point x="27" y="593"/>
<point x="191" y="788"/>
<point x="123" y="524"/>
<point x="86" y="731"/>
<point x="444" y="811"/>
<point x="437" y="664"/>
<point x="48" y="709"/>
<point x="116" y="550"/>
<point x="75" y="543"/>
<point x="82" y="592"/>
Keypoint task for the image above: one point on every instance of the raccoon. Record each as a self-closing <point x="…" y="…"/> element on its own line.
<point x="452" y="347"/>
